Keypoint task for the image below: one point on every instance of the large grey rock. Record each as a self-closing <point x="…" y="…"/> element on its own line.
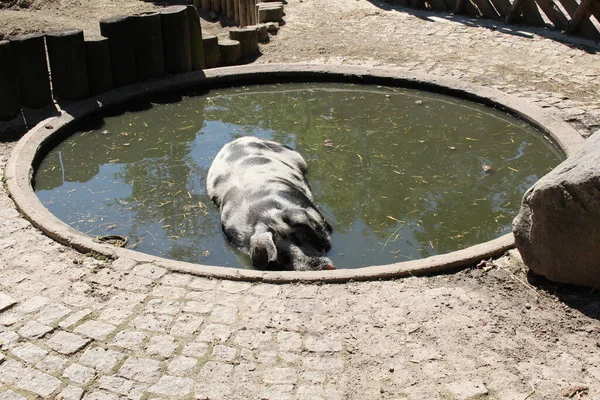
<point x="557" y="230"/>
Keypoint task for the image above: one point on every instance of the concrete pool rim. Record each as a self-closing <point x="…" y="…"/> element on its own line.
<point x="20" y="167"/>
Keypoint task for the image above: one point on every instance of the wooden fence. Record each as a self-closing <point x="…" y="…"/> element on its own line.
<point x="579" y="17"/>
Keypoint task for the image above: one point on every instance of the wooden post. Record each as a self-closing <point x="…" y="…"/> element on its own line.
<point x="176" y="39"/>
<point x="236" y="11"/>
<point x="531" y="14"/>
<point x="119" y="32"/>
<point x="211" y="51"/>
<point x="99" y="66"/>
<point x="269" y="13"/>
<point x="206" y="5"/>
<point x="216" y="6"/>
<point x="554" y="14"/>
<point x="582" y="13"/>
<point x="253" y="13"/>
<point x="486" y="9"/>
<point x="9" y="89"/>
<point x="231" y="52"/>
<point x="230" y="8"/>
<point x="66" y="52"/>
<point x="585" y="27"/>
<point x="248" y="38"/>
<point x="243" y="13"/>
<point x="514" y="12"/>
<point x="502" y="6"/>
<point x="29" y="53"/>
<point x="197" y="50"/>
<point x="148" y="44"/>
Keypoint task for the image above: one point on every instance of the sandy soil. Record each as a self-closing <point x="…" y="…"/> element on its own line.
<point x="516" y="335"/>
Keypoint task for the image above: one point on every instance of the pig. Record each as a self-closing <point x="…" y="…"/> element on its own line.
<point x="266" y="206"/>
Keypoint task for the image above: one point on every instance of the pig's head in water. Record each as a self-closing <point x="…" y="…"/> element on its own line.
<point x="297" y="240"/>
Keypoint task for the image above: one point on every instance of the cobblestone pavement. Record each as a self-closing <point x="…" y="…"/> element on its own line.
<point x="73" y="326"/>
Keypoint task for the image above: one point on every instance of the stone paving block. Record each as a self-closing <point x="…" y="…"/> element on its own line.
<point x="67" y="343"/>
<point x="148" y="270"/>
<point x="39" y="383"/>
<point x="175" y="279"/>
<point x="51" y="314"/>
<point x="306" y="306"/>
<point x="125" y="301"/>
<point x="74" y="318"/>
<point x="115" y="315"/>
<point x="280" y="376"/>
<point x="131" y="340"/>
<point x="8" y="339"/>
<point x="138" y="391"/>
<point x="215" y="333"/>
<point x="467" y="389"/>
<point x="215" y="391"/>
<point x="101" y="395"/>
<point x="34" y="330"/>
<point x="105" y="277"/>
<point x="95" y="329"/>
<point x="198" y="307"/>
<point x="161" y="306"/>
<point x="115" y="384"/>
<point x="203" y="284"/>
<point x="195" y="349"/>
<point x="224" y="353"/>
<point x="253" y="339"/>
<point x="152" y="322"/>
<point x="33" y="304"/>
<point x="278" y="392"/>
<point x="289" y="341"/>
<point x="290" y="358"/>
<point x="181" y="365"/>
<point x="11" y="371"/>
<point x="10" y="395"/>
<point x="51" y="364"/>
<point x="265" y="290"/>
<point x="169" y="292"/>
<point x="6" y="301"/>
<point x="134" y="283"/>
<point x="214" y="371"/>
<point x="79" y="374"/>
<point x="250" y="304"/>
<point x="234" y="287"/>
<point x="172" y="386"/>
<point x="161" y="345"/>
<point x="29" y="353"/>
<point x="313" y="377"/>
<point x="323" y="344"/>
<point x="70" y="393"/>
<point x="102" y="360"/>
<point x="10" y="318"/>
<point x="203" y="297"/>
<point x="324" y="363"/>
<point x="186" y="325"/>
<point x="140" y="369"/>
<point x="267" y="357"/>
<point x="300" y="291"/>
<point x="223" y="315"/>
<point x="123" y="264"/>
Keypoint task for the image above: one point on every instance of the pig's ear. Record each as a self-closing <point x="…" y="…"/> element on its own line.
<point x="262" y="249"/>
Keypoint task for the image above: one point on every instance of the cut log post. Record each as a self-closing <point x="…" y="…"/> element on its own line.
<point x="231" y="52"/>
<point x="196" y="48"/>
<point x="68" y="67"/>
<point x="176" y="39"/>
<point x="230" y="8"/>
<point x="531" y="13"/>
<point x="216" y="6"/>
<point x="268" y="13"/>
<point x="148" y="44"/>
<point x="582" y="13"/>
<point x="212" y="55"/>
<point x="253" y="13"/>
<point x="206" y="5"/>
<point x="554" y="14"/>
<point x="10" y="104"/>
<point x="236" y="11"/>
<point x="243" y="13"/>
<point x="224" y="7"/>
<point x="248" y="38"/>
<point x="29" y="53"/>
<point x="119" y="32"/>
<point x="99" y="66"/>
<point x="437" y="5"/>
<point x="515" y="12"/>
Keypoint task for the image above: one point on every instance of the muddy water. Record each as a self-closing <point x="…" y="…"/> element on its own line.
<point x="400" y="174"/>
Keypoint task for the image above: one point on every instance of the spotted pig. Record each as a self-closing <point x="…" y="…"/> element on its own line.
<point x="266" y="205"/>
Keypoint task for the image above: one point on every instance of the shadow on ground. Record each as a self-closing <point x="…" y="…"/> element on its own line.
<point x="524" y="31"/>
<point x="584" y="299"/>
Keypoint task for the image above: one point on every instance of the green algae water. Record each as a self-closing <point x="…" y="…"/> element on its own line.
<point x="400" y="174"/>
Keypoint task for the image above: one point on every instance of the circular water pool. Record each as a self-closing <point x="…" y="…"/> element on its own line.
<point x="400" y="174"/>
<point x="405" y="197"/>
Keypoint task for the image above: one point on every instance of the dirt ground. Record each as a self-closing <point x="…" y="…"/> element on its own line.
<point x="500" y="334"/>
